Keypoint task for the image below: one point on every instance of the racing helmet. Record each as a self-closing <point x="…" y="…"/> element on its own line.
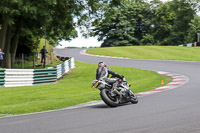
<point x="102" y="63"/>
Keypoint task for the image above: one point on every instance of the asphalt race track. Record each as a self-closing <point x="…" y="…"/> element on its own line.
<point x="174" y="111"/>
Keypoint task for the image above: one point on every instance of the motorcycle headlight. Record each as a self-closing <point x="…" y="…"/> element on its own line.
<point x="95" y="85"/>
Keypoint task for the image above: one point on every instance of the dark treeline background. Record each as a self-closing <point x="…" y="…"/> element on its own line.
<point x="138" y="22"/>
<point x="23" y="23"/>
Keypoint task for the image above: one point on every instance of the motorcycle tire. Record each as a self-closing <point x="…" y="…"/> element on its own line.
<point x="108" y="99"/>
<point x="134" y="99"/>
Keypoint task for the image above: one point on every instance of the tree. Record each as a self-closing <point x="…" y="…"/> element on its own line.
<point x="115" y="30"/>
<point x="184" y="15"/>
<point x="171" y="22"/>
<point x="27" y="21"/>
<point x="163" y="21"/>
<point x="124" y="25"/>
<point x="194" y="28"/>
<point x="148" y="39"/>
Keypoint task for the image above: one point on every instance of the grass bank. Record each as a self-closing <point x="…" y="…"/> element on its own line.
<point x="151" y="52"/>
<point x="71" y="90"/>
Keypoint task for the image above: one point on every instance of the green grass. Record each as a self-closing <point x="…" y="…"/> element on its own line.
<point x="2" y="115"/>
<point x="151" y="52"/>
<point x="71" y="90"/>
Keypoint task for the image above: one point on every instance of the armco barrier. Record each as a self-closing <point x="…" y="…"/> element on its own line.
<point x="2" y="77"/>
<point x="18" y="77"/>
<point x="26" y="77"/>
<point x="44" y="75"/>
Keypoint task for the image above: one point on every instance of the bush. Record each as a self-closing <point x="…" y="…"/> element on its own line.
<point x="147" y="40"/>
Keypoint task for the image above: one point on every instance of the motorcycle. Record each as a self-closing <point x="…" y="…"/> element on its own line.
<point x="115" y="97"/>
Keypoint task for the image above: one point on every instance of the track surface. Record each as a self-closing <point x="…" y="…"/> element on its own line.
<point x="174" y="111"/>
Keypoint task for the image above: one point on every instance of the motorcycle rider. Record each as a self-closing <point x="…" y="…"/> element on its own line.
<point x="103" y="72"/>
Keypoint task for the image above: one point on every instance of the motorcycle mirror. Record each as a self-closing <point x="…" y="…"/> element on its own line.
<point x="130" y="85"/>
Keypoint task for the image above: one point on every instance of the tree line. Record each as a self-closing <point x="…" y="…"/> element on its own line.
<point x="24" y="22"/>
<point x="115" y="22"/>
<point x="140" y="22"/>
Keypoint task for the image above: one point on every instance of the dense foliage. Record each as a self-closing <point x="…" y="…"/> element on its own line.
<point x="115" y="22"/>
<point x="138" y="22"/>
<point x="24" y="22"/>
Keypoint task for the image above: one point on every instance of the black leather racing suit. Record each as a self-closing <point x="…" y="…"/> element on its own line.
<point x="103" y="74"/>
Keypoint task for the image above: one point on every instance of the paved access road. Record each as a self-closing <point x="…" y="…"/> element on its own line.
<point x="174" y="111"/>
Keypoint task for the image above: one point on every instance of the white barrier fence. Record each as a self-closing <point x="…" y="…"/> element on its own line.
<point x="26" y="77"/>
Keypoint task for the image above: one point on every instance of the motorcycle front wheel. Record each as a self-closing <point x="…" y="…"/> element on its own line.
<point x="133" y="98"/>
<point x="108" y="99"/>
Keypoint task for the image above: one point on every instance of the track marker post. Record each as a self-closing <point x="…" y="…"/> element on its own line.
<point x="195" y="44"/>
<point x="162" y="82"/>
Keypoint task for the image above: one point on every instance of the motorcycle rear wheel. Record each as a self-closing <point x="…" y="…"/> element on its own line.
<point x="108" y="99"/>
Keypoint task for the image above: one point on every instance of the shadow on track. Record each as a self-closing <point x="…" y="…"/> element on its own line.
<point x="100" y="106"/>
<point x="104" y="106"/>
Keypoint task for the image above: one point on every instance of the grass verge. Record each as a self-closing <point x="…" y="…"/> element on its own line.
<point x="2" y="115"/>
<point x="71" y="90"/>
<point x="151" y="52"/>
